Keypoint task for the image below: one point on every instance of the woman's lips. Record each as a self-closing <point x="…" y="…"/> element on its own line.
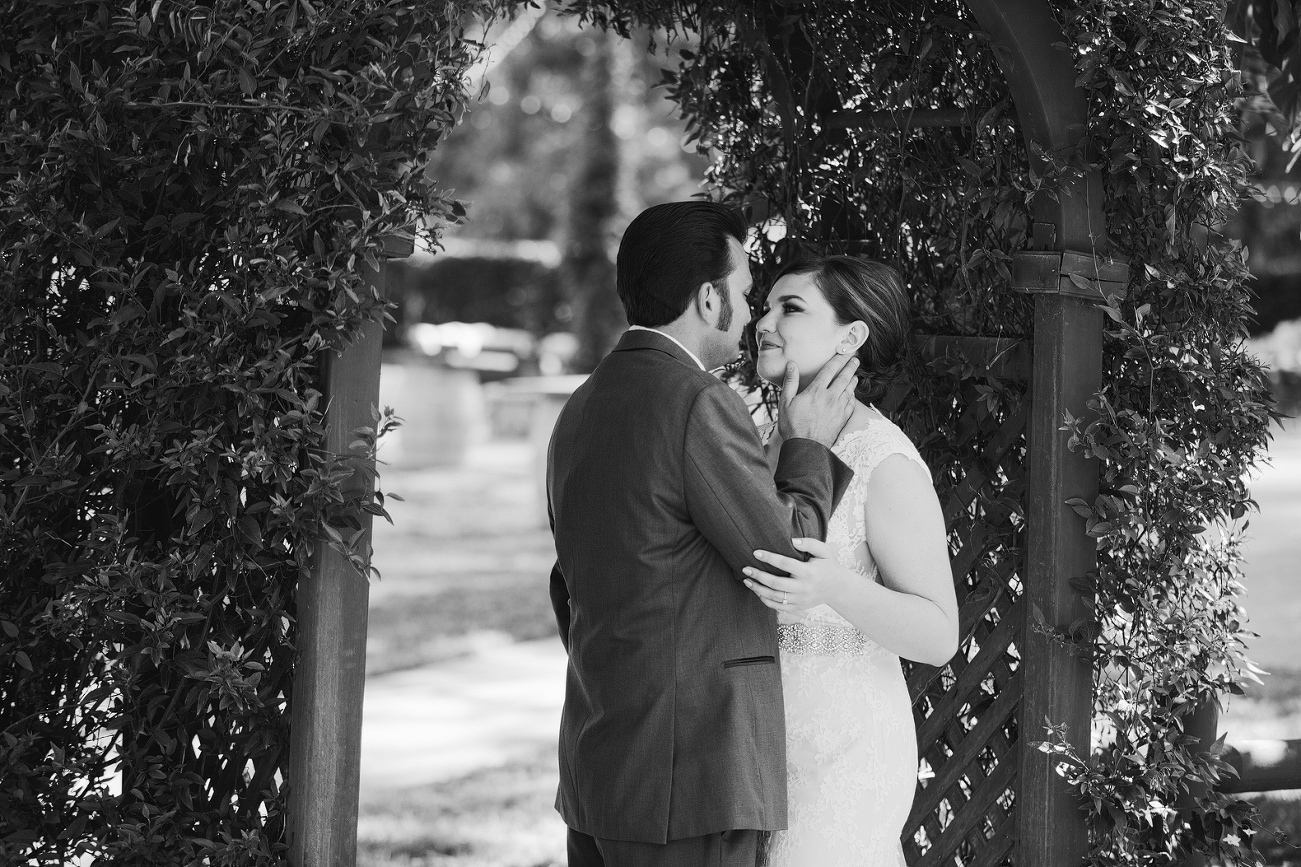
<point x="765" y="346"/>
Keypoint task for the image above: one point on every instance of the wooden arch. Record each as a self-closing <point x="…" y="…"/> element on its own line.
<point x="1069" y="273"/>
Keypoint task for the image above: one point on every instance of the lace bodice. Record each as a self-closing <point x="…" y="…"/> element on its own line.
<point x="862" y="450"/>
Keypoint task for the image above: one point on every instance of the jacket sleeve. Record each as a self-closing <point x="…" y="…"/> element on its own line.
<point x="560" y="603"/>
<point x="733" y="497"/>
<point x="559" y="589"/>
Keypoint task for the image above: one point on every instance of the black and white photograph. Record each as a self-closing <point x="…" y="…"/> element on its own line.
<point x="650" y="433"/>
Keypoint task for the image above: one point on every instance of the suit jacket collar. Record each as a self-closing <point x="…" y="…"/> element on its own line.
<point x="654" y="340"/>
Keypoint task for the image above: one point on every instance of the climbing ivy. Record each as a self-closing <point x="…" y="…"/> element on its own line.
<point x="191" y="195"/>
<point x="1180" y="421"/>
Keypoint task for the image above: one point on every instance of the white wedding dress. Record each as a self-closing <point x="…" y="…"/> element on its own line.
<point x="851" y="744"/>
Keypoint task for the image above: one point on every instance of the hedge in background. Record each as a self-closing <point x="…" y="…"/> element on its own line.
<point x="190" y="195"/>
<point x="506" y="291"/>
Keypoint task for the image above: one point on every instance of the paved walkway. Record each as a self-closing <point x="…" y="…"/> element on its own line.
<point x="1272" y="556"/>
<point x="497" y="704"/>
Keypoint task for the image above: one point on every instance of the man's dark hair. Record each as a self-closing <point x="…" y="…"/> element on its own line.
<point x="668" y="251"/>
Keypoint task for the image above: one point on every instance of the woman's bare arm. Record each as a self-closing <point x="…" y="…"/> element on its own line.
<point x="913" y="612"/>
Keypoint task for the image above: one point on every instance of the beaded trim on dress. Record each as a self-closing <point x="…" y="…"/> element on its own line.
<point x="823" y="639"/>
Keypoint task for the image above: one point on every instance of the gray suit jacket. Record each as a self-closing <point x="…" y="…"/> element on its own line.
<point x="659" y="493"/>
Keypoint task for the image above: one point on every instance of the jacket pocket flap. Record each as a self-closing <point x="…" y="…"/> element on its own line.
<point x="750" y="660"/>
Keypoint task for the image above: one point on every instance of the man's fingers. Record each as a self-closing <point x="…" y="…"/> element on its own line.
<point x="845" y="376"/>
<point x="829" y="370"/>
<point x="790" y="383"/>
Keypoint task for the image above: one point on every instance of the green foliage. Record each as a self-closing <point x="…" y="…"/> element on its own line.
<point x="192" y="196"/>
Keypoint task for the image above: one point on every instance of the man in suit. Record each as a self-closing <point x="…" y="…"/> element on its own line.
<point x="672" y="740"/>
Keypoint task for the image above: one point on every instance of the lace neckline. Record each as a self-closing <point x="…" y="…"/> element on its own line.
<point x="876" y="419"/>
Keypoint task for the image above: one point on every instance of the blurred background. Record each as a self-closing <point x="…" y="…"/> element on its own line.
<point x="569" y="139"/>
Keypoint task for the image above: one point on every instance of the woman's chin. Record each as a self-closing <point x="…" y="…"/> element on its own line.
<point x="771" y="369"/>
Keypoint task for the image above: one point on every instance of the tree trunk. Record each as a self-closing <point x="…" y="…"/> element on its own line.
<point x="598" y="206"/>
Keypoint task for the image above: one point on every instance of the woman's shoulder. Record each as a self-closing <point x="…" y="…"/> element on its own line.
<point x="870" y="438"/>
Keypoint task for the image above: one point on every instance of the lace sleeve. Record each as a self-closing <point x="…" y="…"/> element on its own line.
<point x="864" y="449"/>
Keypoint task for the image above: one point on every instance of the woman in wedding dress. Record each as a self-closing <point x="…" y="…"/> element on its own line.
<point x="878" y="589"/>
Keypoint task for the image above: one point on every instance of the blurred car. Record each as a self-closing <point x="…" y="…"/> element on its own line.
<point x="496" y="353"/>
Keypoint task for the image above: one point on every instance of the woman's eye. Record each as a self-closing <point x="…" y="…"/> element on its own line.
<point x="790" y="308"/>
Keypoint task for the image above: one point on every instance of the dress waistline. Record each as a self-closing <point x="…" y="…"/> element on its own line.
<point x="823" y="639"/>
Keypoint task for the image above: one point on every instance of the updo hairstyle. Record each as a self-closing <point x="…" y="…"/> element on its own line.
<point x="861" y="289"/>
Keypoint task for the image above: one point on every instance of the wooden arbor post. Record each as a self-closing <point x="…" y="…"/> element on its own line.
<point x="1069" y="274"/>
<point x="324" y="771"/>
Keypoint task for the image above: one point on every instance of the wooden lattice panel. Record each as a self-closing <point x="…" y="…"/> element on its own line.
<point x="966" y="712"/>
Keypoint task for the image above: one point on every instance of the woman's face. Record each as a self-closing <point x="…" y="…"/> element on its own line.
<point x="798" y="325"/>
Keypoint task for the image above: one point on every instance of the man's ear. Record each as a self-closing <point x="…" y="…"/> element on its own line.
<point x="708" y="304"/>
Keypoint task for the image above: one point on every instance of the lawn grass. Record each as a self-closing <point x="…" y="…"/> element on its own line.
<point x="421" y="629"/>
<point x="500" y="817"/>
<point x="468" y="552"/>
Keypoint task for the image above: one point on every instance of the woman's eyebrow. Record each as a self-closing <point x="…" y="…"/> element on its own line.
<point x="794" y="296"/>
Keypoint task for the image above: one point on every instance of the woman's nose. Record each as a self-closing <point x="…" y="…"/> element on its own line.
<point x="763" y="326"/>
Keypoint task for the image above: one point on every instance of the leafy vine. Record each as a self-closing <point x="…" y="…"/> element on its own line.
<point x="191" y="195"/>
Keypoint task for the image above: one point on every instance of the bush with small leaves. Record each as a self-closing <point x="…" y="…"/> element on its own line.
<point x="191" y="196"/>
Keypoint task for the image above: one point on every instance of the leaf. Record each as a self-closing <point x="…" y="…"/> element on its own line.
<point x="290" y="206"/>
<point x="1080" y="507"/>
<point x="50" y="369"/>
<point x="246" y="81"/>
<point x="1284" y="19"/>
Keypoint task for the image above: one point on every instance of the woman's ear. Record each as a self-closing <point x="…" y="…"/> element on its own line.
<point x="854" y="338"/>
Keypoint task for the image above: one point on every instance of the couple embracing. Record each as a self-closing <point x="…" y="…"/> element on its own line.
<point x="735" y="601"/>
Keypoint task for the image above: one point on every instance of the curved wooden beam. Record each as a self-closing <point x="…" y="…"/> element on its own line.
<point x="1053" y="114"/>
